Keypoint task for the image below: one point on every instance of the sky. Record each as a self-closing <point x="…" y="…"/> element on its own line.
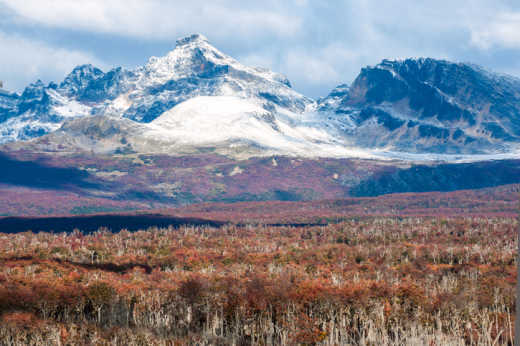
<point x="316" y="44"/>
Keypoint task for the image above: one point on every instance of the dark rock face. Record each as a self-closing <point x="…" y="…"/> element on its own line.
<point x="106" y="87"/>
<point x="432" y="105"/>
<point x="79" y="79"/>
<point x="8" y="105"/>
<point x="34" y="98"/>
<point x="87" y="83"/>
<point x="436" y="88"/>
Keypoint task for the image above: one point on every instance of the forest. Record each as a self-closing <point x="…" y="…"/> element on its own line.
<point x="373" y="280"/>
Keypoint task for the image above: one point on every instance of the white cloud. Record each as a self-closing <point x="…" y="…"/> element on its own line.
<point x="317" y="44"/>
<point x="321" y="68"/>
<point x="156" y="19"/>
<point x="503" y="31"/>
<point x="23" y="60"/>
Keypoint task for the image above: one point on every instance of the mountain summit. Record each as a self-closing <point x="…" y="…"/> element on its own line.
<point x="194" y="68"/>
<point x="428" y="105"/>
<point x="195" y="38"/>
<point x="196" y="97"/>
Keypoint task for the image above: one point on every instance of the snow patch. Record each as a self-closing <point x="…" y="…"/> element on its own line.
<point x="236" y="170"/>
<point x="217" y="120"/>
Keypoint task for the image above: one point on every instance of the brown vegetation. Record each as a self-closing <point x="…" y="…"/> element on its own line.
<point x="372" y="281"/>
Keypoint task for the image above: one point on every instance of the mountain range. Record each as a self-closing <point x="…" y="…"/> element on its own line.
<point x="197" y="98"/>
<point x="196" y="125"/>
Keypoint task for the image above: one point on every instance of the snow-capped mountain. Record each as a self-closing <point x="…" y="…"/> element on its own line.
<point x="427" y="105"/>
<point x="197" y="98"/>
<point x="194" y="98"/>
<point x="194" y="71"/>
<point x="37" y="111"/>
<point x="195" y="68"/>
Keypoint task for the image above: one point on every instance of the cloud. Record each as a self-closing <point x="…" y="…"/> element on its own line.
<point x="317" y="44"/>
<point x="156" y="19"/>
<point x="313" y="72"/>
<point x="23" y="61"/>
<point x="501" y="31"/>
<point x="325" y="66"/>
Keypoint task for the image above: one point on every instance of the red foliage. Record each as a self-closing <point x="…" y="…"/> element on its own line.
<point x="21" y="320"/>
<point x="310" y="284"/>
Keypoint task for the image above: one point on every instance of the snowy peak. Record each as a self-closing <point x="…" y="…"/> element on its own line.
<point x="196" y="68"/>
<point x="192" y="56"/>
<point x="439" y="90"/>
<point x="42" y="109"/>
<point x="80" y="77"/>
<point x="424" y="104"/>
<point x="192" y="39"/>
<point x="34" y="91"/>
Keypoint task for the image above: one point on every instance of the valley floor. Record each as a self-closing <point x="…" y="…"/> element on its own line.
<point x="372" y="280"/>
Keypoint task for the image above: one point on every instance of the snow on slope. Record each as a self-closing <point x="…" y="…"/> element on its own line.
<point x="213" y="119"/>
<point x="67" y="108"/>
<point x="514" y="154"/>
<point x="34" y="123"/>
<point x="207" y="120"/>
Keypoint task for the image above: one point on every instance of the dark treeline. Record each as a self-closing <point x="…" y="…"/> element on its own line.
<point x="94" y="222"/>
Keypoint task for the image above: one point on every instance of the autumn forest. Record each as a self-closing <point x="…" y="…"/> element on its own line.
<point x="365" y="280"/>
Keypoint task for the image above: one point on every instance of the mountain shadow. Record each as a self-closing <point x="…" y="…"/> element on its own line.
<point x="38" y="175"/>
<point x="444" y="177"/>
<point x="91" y="223"/>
